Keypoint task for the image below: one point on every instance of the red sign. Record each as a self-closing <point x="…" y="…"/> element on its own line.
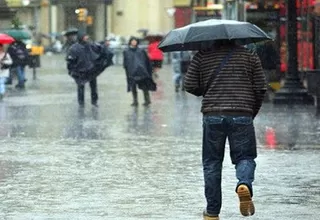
<point x="182" y="16"/>
<point x="304" y="47"/>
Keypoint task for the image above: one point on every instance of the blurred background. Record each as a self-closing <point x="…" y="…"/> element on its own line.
<point x="117" y="20"/>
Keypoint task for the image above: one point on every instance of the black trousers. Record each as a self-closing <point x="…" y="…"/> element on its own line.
<point x="94" y="93"/>
<point x="135" y="94"/>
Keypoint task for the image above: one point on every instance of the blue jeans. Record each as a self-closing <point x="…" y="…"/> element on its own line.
<point x="241" y="136"/>
<point x="21" y="75"/>
<point x="2" y="85"/>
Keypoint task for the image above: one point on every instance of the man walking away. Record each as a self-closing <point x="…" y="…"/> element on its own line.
<point x="231" y="80"/>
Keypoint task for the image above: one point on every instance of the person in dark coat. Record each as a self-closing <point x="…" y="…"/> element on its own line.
<point x="20" y="55"/>
<point x="138" y="71"/>
<point x="270" y="61"/>
<point x="70" y="40"/>
<point x="80" y="60"/>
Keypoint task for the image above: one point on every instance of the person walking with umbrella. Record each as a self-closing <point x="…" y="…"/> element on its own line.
<point x="5" y="63"/>
<point x="138" y="71"/>
<point x="155" y="55"/>
<point x="231" y="81"/>
<point x="20" y="55"/>
<point x="230" y="103"/>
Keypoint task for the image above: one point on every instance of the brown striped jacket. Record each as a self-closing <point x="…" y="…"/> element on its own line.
<point x="239" y="87"/>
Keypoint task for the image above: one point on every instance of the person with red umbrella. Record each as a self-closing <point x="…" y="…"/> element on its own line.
<point x="6" y="39"/>
<point x="155" y="54"/>
<point x="5" y="63"/>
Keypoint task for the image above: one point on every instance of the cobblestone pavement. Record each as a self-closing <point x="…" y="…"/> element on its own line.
<point x="116" y="162"/>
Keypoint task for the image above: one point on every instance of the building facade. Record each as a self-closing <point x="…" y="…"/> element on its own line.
<point x="190" y="11"/>
<point x="128" y="16"/>
<point x="119" y="17"/>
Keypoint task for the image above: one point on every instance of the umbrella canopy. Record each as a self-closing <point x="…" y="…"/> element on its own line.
<point x="154" y="36"/>
<point x="201" y="35"/>
<point x="6" y="39"/>
<point x="70" y="31"/>
<point x="18" y="34"/>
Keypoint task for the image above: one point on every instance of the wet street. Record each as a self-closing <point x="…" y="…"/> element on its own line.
<point x="117" y="162"/>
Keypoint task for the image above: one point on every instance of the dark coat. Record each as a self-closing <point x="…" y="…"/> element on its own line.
<point x="85" y="61"/>
<point x="138" y="69"/>
<point x="18" y="53"/>
<point x="268" y="55"/>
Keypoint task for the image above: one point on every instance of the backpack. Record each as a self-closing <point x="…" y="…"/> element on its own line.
<point x="19" y="54"/>
<point x="185" y="61"/>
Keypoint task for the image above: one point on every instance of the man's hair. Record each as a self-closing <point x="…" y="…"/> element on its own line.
<point x="133" y="38"/>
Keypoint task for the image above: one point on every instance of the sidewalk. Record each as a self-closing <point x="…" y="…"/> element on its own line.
<point x="117" y="162"/>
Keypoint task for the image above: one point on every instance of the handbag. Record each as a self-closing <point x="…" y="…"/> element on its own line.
<point x="4" y="66"/>
<point x="201" y="91"/>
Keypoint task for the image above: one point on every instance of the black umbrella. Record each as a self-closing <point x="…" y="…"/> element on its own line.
<point x="70" y="31"/>
<point x="201" y="35"/>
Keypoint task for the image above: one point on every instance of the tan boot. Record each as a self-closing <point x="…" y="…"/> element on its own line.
<point x="210" y="218"/>
<point x="207" y="216"/>
<point x="246" y="204"/>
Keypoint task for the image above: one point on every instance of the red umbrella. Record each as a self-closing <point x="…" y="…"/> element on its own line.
<point x="6" y="39"/>
<point x="154" y="36"/>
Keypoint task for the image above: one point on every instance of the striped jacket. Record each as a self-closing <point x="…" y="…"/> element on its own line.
<point x="238" y="89"/>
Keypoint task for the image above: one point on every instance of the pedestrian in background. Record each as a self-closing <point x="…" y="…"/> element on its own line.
<point x="20" y="56"/>
<point x="80" y="60"/>
<point x="5" y="63"/>
<point x="156" y="57"/>
<point x="231" y="80"/>
<point x="70" y="40"/>
<point x="138" y="71"/>
<point x="270" y="61"/>
<point x="180" y="63"/>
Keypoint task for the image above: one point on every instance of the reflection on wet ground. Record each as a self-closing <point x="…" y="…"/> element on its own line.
<point x="114" y="162"/>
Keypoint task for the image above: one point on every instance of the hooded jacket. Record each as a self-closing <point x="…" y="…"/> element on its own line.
<point x="86" y="60"/>
<point x="138" y="68"/>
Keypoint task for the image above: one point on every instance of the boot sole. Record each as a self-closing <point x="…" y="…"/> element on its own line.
<point x="246" y="205"/>
<point x="210" y="218"/>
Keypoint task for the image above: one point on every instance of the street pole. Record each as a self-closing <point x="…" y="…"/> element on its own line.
<point x="105" y="25"/>
<point x="293" y="91"/>
<point x="50" y="21"/>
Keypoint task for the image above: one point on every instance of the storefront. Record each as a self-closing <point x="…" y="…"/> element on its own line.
<point x="317" y="34"/>
<point x="234" y="10"/>
<point x="183" y="13"/>
<point x="305" y="34"/>
<point x="206" y="9"/>
<point x="271" y="17"/>
<point x="190" y="11"/>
